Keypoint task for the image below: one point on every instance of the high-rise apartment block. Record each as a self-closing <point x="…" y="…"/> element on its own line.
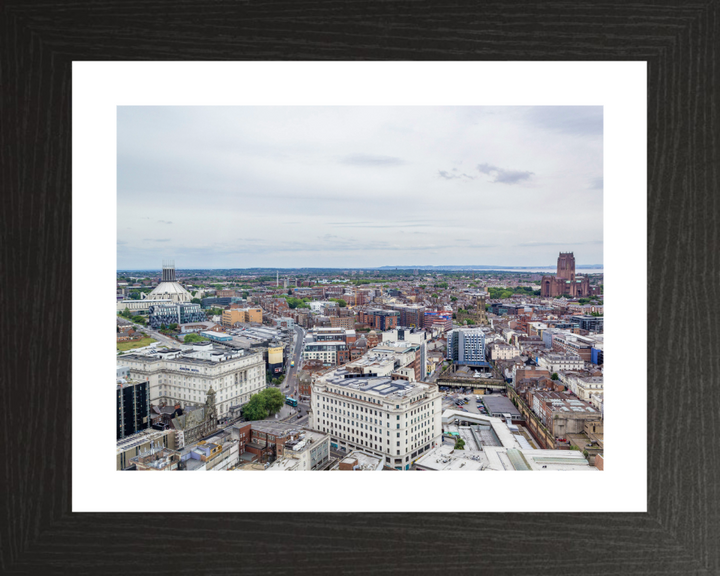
<point x="466" y="346"/>
<point x="175" y="313"/>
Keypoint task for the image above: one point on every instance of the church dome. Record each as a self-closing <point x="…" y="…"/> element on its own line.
<point x="170" y="290"/>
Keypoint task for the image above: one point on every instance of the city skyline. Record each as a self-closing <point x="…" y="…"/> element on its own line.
<point x="304" y="187"/>
<point x="469" y="268"/>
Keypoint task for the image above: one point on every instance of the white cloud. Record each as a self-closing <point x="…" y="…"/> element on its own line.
<point x="353" y="187"/>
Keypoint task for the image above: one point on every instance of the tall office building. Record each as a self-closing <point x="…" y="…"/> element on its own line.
<point x="133" y="407"/>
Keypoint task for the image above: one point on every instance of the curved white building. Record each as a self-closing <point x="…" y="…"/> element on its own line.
<point x="169" y="289"/>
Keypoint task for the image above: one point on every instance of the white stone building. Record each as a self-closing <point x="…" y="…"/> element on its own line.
<point x="394" y="419"/>
<point x="184" y="376"/>
<point x="502" y="351"/>
<point x="561" y="362"/>
<point x="327" y="351"/>
<point x="588" y="387"/>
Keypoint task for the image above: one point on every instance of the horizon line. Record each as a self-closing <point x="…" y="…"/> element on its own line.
<point x="374" y="268"/>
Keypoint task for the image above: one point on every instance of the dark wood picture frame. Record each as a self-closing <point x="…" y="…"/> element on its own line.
<point x="680" y="533"/>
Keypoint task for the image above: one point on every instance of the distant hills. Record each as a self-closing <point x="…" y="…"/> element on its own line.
<point x="477" y="267"/>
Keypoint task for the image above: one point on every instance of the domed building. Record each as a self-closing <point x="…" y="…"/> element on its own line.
<point x="169" y="288"/>
<point x="372" y="339"/>
<point x="358" y="348"/>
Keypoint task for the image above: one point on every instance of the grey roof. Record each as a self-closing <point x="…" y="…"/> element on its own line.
<point x="383" y="385"/>
<point x="500" y="405"/>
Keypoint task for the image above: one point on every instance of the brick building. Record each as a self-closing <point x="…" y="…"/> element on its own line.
<point x="380" y="319"/>
<point x="347" y="322"/>
<point x="565" y="282"/>
<point x="560" y="413"/>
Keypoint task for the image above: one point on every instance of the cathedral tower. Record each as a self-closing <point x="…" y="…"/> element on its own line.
<point x="566" y="266"/>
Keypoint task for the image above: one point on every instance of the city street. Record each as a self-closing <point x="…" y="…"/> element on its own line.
<point x="436" y="374"/>
<point x="290" y="384"/>
<point x="161" y="338"/>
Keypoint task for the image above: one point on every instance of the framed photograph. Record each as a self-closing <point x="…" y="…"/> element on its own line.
<point x="341" y="153"/>
<point x="317" y="185"/>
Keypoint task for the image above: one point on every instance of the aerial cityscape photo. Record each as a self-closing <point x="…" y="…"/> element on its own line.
<point x="360" y="288"/>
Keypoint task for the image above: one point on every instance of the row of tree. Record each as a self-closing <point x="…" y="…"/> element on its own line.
<point x="134" y="318"/>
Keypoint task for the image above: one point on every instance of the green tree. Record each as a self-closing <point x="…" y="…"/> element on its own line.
<point x="453" y="298"/>
<point x="190" y="338"/>
<point x="163" y="327"/>
<point x="135" y="295"/>
<point x="173" y="326"/>
<point x="196" y="300"/>
<point x="555" y="376"/>
<point x="255" y="408"/>
<point x="274" y="400"/>
<point x="139" y="320"/>
<point x="459" y="444"/>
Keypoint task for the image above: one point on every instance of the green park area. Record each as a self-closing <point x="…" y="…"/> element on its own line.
<point x="130" y="345"/>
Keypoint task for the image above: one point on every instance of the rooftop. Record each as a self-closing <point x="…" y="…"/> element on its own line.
<point x="143" y="437"/>
<point x="279" y="429"/>
<point x="306" y="440"/>
<point x="362" y="461"/>
<point x="382" y="386"/>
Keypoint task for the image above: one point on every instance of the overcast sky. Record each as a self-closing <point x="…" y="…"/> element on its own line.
<point x="346" y="187"/>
